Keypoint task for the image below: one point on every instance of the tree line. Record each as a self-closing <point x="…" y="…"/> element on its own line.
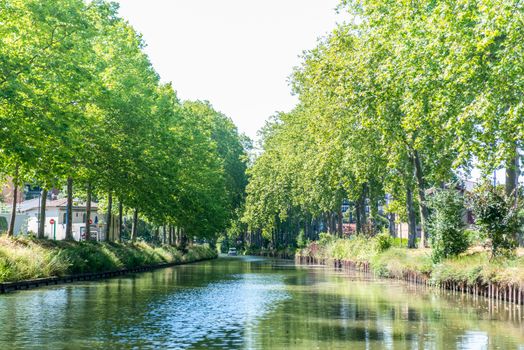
<point x="402" y="97"/>
<point x="81" y="107"/>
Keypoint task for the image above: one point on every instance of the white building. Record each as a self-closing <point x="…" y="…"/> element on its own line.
<point x="56" y="212"/>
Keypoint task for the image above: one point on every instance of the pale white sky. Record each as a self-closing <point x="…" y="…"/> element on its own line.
<point x="237" y="54"/>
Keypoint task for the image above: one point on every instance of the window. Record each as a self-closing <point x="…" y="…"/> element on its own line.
<point x="83" y="218"/>
<point x="65" y="218"/>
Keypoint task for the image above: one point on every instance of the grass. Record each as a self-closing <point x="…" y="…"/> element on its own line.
<point x="476" y="267"/>
<point x="470" y="268"/>
<point x="27" y="258"/>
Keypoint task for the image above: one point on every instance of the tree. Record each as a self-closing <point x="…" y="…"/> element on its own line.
<point x="498" y="219"/>
<point x="447" y="224"/>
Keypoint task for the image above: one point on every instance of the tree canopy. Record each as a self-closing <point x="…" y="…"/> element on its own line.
<point x="402" y="97"/>
<point x="80" y="101"/>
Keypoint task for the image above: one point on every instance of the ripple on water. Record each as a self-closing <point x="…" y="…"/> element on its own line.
<point x="215" y="316"/>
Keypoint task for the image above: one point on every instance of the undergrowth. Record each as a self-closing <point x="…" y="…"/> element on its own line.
<point x="469" y="268"/>
<point x="27" y="258"/>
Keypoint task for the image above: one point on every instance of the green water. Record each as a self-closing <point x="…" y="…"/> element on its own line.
<point x="253" y="303"/>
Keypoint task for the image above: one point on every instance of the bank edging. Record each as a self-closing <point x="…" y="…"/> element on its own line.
<point x="496" y="291"/>
<point x="6" y="287"/>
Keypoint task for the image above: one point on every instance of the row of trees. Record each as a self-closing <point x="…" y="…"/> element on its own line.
<point x="80" y="104"/>
<point x="405" y="96"/>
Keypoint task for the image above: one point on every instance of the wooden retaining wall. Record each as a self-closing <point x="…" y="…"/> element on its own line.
<point x="6" y="287"/>
<point x="512" y="293"/>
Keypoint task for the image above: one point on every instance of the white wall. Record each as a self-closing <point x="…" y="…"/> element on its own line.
<point x="58" y="215"/>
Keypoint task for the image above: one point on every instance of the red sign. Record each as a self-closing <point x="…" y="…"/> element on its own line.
<point x="52" y="221"/>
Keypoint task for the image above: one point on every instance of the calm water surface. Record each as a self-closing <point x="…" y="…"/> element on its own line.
<point x="253" y="303"/>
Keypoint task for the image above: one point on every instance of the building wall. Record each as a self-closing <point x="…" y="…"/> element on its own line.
<point x="57" y="214"/>
<point x="21" y="222"/>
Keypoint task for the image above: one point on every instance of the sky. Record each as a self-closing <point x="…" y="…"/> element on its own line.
<point x="237" y="54"/>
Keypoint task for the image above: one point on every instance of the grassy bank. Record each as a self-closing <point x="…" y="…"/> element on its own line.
<point x="26" y="258"/>
<point x="469" y="270"/>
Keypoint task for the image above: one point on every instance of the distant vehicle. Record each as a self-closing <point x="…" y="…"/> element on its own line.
<point x="232" y="252"/>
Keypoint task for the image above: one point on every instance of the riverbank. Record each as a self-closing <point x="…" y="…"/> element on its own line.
<point x="280" y="253"/>
<point x="28" y="259"/>
<point x="471" y="272"/>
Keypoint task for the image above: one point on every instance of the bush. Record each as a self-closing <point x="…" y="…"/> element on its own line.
<point x="447" y="226"/>
<point x="324" y="238"/>
<point x="497" y="219"/>
<point x="383" y="242"/>
<point x="301" y="240"/>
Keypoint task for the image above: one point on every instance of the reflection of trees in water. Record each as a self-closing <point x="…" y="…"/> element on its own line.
<point x="331" y="311"/>
<point x="231" y="303"/>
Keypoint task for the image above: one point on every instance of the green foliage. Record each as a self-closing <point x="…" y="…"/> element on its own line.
<point x="497" y="217"/>
<point x="3" y="224"/>
<point x="25" y="258"/>
<point x="325" y="238"/>
<point x="301" y="240"/>
<point x="447" y="225"/>
<point x="402" y="242"/>
<point x="399" y="101"/>
<point x="466" y="269"/>
<point x="81" y="100"/>
<point x="474" y="237"/>
<point x="383" y="242"/>
<point x="479" y="268"/>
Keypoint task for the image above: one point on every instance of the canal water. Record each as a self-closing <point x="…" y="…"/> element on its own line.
<point x="253" y="303"/>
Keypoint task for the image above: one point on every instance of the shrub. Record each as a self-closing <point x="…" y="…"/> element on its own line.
<point x="383" y="242"/>
<point x="474" y="237"/>
<point x="301" y="240"/>
<point x="447" y="226"/>
<point x="325" y="238"/>
<point x="497" y="219"/>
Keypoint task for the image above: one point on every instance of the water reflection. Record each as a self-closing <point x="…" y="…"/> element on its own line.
<point x="214" y="316"/>
<point x="253" y="303"/>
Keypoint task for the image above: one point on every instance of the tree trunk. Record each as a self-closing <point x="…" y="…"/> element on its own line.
<point x="120" y="220"/>
<point x="412" y="224"/>
<point x="363" y="213"/>
<point x="183" y="242"/>
<point x="358" y="218"/>
<point x="164" y="235"/>
<point x="512" y="176"/>
<point x="88" y="213"/>
<point x="134" y="228"/>
<point x="424" y="213"/>
<point x="11" y="230"/>
<point x="41" y="224"/>
<point x="69" y="209"/>
<point x="170" y="235"/>
<point x="392" y="227"/>
<point x="109" y="216"/>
